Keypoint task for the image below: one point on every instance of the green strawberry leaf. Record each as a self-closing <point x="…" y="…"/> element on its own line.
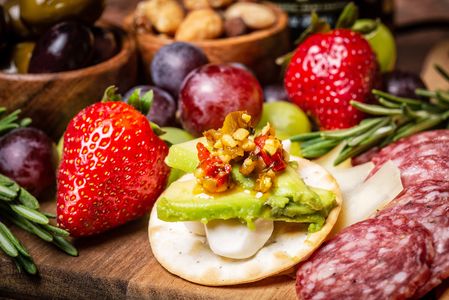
<point x="147" y="102"/>
<point x="135" y="97"/>
<point x="142" y="104"/>
<point x="317" y="25"/>
<point x="111" y="94"/>
<point x="156" y="129"/>
<point x="348" y="16"/>
<point x="367" y="28"/>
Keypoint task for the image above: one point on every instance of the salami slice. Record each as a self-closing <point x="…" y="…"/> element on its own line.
<point x="393" y="151"/>
<point x="423" y="168"/>
<point x="428" y="204"/>
<point x="410" y="154"/>
<point x="386" y="258"/>
<point x="365" y="157"/>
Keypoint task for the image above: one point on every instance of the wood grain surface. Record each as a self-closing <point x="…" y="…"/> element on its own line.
<point x="117" y="265"/>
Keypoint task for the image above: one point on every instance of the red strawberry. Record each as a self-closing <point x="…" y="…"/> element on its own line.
<point x="112" y="169"/>
<point x="327" y="71"/>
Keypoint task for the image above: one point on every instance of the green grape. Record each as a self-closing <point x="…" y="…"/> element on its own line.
<point x="287" y="118"/>
<point x="382" y="42"/>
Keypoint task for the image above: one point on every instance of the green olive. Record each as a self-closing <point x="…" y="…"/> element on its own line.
<point x="13" y="13"/>
<point x="44" y="13"/>
<point x="21" y="56"/>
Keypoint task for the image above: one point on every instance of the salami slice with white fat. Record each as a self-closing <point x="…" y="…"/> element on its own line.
<point x="386" y="258"/>
<point x="423" y="168"/>
<point x="375" y="155"/>
<point x="400" y="148"/>
<point x="343" y="267"/>
<point x="409" y="156"/>
<point x="428" y="204"/>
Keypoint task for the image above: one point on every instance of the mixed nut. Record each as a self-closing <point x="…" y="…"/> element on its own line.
<point x="195" y="20"/>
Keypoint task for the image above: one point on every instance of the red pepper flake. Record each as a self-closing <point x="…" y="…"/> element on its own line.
<point x="213" y="171"/>
<point x="276" y="161"/>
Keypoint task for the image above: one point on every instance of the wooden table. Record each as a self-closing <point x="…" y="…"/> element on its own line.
<point x="119" y="264"/>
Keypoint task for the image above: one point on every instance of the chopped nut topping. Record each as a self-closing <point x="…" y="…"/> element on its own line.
<point x="248" y="166"/>
<point x="271" y="146"/>
<point x="218" y="144"/>
<point x="246" y="118"/>
<point x="265" y="181"/>
<point x="259" y="156"/>
<point x="267" y="130"/>
<point x="240" y="134"/>
<point x="248" y="145"/>
<point x="228" y="141"/>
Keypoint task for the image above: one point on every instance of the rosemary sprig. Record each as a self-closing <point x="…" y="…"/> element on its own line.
<point x="395" y="118"/>
<point x="11" y="121"/>
<point x="19" y="207"/>
<point x="26" y="215"/>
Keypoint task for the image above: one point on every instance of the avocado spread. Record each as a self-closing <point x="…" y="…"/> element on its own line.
<point x="242" y="176"/>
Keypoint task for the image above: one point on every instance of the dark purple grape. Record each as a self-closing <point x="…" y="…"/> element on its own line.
<point x="402" y="84"/>
<point x="28" y="156"/>
<point x="275" y="92"/>
<point x="173" y="62"/>
<point x="106" y="44"/>
<point x="163" y="109"/>
<point x="64" y="47"/>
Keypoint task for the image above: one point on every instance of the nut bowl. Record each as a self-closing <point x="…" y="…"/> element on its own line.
<point x="257" y="50"/>
<point x="52" y="99"/>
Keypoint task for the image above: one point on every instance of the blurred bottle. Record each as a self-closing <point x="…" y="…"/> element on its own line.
<point x="299" y="11"/>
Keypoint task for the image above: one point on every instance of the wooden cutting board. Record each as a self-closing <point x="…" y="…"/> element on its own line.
<point x="117" y="265"/>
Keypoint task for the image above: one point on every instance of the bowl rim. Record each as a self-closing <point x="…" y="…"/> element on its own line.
<point x="279" y="26"/>
<point x="122" y="57"/>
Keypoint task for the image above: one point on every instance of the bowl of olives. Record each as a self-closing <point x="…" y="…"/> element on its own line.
<point x="252" y="33"/>
<point x="56" y="58"/>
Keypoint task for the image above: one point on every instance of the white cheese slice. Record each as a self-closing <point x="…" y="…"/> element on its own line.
<point x="370" y="196"/>
<point x="351" y="178"/>
<point x="196" y="227"/>
<point x="232" y="239"/>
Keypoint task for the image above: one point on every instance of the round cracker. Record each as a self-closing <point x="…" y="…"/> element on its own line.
<point x="188" y="255"/>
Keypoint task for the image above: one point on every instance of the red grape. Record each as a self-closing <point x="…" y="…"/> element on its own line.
<point x="28" y="156"/>
<point x="210" y="92"/>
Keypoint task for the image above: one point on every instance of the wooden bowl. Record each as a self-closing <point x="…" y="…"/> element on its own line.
<point x="51" y="100"/>
<point x="258" y="50"/>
